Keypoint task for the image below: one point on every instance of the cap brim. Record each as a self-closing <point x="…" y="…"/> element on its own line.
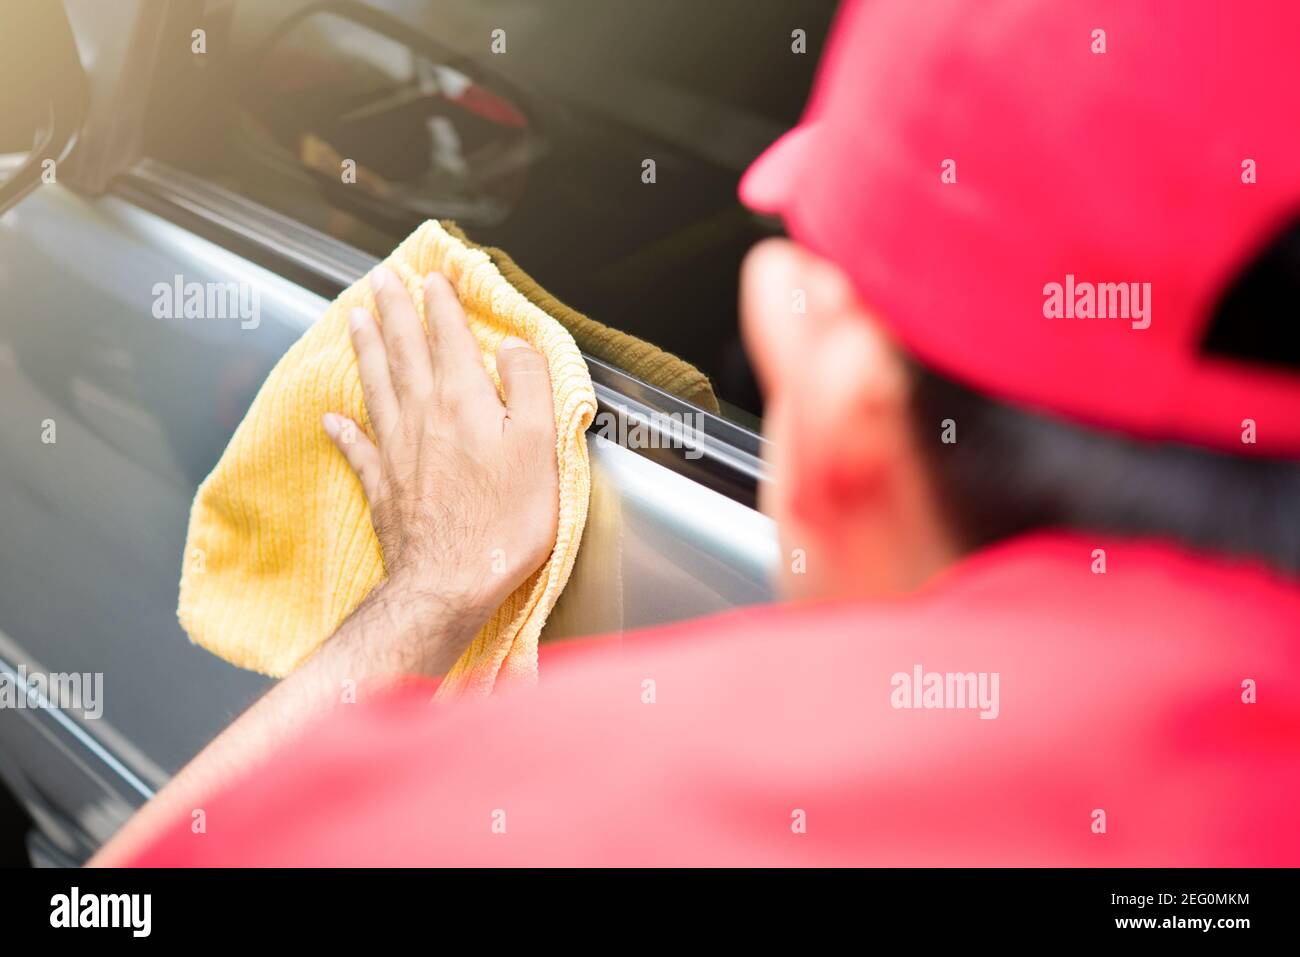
<point x="770" y="180"/>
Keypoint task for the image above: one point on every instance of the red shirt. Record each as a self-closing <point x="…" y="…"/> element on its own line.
<point x="1149" y="715"/>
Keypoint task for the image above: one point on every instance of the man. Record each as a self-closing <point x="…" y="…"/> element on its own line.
<point x="1034" y="472"/>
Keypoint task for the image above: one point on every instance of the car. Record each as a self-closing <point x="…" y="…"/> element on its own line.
<point x="211" y="143"/>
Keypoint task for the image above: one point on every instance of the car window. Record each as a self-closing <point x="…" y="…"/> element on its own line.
<point x="597" y="142"/>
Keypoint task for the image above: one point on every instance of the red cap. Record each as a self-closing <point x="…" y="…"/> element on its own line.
<point x="958" y="157"/>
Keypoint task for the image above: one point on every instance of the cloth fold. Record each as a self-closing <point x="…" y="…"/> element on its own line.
<point x="280" y="547"/>
<point x="633" y="355"/>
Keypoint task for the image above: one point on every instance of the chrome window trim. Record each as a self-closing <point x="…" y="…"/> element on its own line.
<point x="719" y="454"/>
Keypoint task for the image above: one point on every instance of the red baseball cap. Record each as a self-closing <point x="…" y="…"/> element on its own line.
<point x="1046" y="200"/>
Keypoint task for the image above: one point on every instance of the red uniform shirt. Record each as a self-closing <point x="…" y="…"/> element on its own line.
<point x="1147" y="715"/>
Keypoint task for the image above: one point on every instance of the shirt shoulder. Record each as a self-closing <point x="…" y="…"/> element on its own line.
<point x="1023" y="712"/>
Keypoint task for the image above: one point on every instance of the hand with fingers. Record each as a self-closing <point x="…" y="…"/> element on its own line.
<point x="463" y="489"/>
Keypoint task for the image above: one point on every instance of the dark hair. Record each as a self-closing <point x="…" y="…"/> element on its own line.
<point x="1012" y="470"/>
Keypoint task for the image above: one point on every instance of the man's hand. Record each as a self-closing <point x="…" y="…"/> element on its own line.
<point x="464" y="495"/>
<point x="463" y="490"/>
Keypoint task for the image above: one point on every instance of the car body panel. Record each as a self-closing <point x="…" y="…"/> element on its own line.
<point x="93" y="524"/>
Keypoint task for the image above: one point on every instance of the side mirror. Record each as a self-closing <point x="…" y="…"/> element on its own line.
<point x="42" y="93"/>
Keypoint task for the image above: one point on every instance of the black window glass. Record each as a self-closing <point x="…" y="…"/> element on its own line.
<point x="529" y="123"/>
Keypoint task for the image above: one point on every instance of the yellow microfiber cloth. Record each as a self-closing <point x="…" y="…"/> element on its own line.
<point x="635" y="356"/>
<point x="280" y="546"/>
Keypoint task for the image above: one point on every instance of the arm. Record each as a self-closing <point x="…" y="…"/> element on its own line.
<point x="464" y="496"/>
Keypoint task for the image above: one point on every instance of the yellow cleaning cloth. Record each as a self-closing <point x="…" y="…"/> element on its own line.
<point x="280" y="546"/>
<point x="622" y="350"/>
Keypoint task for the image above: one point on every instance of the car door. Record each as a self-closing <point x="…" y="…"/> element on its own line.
<point x="215" y="151"/>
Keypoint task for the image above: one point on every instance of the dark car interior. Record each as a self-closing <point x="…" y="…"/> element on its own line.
<point x="538" y="148"/>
